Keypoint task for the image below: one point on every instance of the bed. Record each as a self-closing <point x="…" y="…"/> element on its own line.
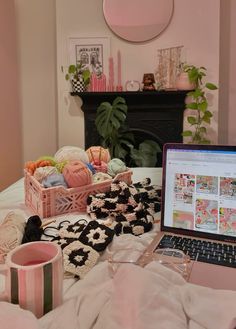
<point x="134" y="297"/>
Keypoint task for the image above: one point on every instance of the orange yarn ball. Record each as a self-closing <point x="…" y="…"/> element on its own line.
<point x="76" y="174"/>
<point x="97" y="154"/>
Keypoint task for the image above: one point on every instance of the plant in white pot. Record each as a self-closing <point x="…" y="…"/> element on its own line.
<point x="79" y="76"/>
<point x="200" y="115"/>
<point x="183" y="82"/>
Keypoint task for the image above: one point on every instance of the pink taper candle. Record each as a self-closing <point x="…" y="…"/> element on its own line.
<point x="110" y="86"/>
<point x="119" y="86"/>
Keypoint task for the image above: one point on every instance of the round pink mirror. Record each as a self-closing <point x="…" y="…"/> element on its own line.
<point x="138" y="20"/>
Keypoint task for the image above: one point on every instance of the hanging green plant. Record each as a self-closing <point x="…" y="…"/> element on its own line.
<point x="199" y="104"/>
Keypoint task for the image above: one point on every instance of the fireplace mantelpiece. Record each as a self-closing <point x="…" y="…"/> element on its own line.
<point x="156" y="115"/>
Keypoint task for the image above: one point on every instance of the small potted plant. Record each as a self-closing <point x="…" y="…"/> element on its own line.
<point x="79" y="77"/>
<point x="183" y="82"/>
<point x="200" y="115"/>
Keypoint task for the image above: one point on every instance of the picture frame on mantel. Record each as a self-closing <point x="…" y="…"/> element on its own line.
<point x="89" y="50"/>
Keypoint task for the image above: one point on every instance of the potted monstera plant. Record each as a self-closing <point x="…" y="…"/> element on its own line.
<point x="118" y="137"/>
<point x="79" y="76"/>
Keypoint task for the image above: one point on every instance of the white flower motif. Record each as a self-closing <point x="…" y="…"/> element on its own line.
<point x="78" y="258"/>
<point x="93" y="232"/>
<point x="152" y="194"/>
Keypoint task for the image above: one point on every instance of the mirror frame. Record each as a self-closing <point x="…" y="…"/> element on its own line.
<point x="142" y="32"/>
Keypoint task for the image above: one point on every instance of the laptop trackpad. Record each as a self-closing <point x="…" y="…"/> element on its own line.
<point x="213" y="276"/>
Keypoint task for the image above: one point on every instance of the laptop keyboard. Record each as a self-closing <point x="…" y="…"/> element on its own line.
<point x="202" y="250"/>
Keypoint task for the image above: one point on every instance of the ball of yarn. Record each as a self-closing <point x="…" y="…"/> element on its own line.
<point x="91" y="167"/>
<point x="116" y="166"/>
<point x="71" y="153"/>
<point x="54" y="180"/>
<point x="100" y="177"/>
<point x="11" y="232"/>
<point x="61" y="165"/>
<point x="98" y="153"/>
<point x="48" y="158"/>
<point x="100" y="166"/>
<point x="43" y="172"/>
<point x="76" y="174"/>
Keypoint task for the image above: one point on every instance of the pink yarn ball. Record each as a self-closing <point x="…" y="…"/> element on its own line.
<point x="76" y="174"/>
<point x="100" y="167"/>
<point x="98" y="153"/>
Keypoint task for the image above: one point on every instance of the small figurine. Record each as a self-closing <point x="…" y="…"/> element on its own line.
<point x="148" y="82"/>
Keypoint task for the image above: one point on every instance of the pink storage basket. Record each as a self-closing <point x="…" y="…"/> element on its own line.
<point x="53" y="201"/>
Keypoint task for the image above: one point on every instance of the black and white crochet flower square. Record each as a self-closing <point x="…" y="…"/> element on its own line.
<point x="62" y="242"/>
<point x="73" y="230"/>
<point x="79" y="259"/>
<point x="96" y="235"/>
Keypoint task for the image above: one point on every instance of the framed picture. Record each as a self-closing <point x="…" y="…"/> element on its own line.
<point x="90" y="51"/>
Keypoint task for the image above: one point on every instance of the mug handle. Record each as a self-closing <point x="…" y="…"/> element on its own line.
<point x="3" y="271"/>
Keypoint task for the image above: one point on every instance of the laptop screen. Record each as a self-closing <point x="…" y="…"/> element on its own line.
<point x="199" y="190"/>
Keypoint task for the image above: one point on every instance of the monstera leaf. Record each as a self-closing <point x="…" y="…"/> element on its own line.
<point x="110" y="117"/>
<point x="110" y="123"/>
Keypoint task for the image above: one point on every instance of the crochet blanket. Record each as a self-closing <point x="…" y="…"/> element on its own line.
<point x="131" y="208"/>
<point x="124" y="209"/>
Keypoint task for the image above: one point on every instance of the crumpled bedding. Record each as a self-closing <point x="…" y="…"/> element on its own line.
<point x="150" y="297"/>
<point x="137" y="298"/>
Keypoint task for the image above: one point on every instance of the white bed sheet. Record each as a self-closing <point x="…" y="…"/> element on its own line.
<point x="137" y="298"/>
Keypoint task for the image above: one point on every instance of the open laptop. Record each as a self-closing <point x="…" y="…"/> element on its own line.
<point x="199" y="210"/>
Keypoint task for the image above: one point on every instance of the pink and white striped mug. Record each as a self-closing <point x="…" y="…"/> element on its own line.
<point x="34" y="277"/>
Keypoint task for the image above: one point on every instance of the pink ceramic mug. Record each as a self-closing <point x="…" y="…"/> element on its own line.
<point x="34" y="276"/>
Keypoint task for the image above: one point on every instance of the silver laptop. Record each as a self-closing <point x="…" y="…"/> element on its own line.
<point x="198" y="213"/>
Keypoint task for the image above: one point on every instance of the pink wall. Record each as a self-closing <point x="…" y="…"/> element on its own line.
<point x="10" y="116"/>
<point x="232" y="76"/>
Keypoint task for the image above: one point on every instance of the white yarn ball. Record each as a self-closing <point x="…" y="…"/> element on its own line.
<point x="71" y="153"/>
<point x="43" y="172"/>
<point x="100" y="177"/>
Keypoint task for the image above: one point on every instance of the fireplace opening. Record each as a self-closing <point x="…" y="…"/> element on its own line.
<point x="140" y="135"/>
<point x="156" y="115"/>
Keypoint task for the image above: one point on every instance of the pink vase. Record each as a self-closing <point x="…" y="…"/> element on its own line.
<point x="183" y="83"/>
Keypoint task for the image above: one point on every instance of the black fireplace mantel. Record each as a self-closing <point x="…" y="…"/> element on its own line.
<point x="137" y="101"/>
<point x="156" y="115"/>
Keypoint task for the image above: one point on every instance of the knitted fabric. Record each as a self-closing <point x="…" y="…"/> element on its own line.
<point x="96" y="235"/>
<point x="11" y="233"/>
<point x="81" y="244"/>
<point x="79" y="258"/>
<point x="130" y="206"/>
<point x="72" y="230"/>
